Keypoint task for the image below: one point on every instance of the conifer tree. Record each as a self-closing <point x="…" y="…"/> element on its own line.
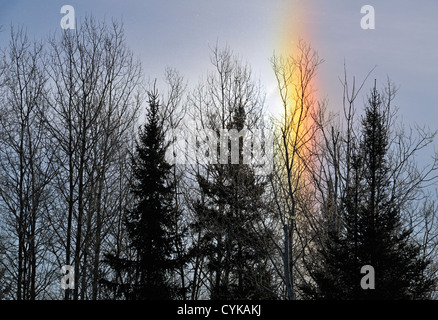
<point x="372" y="232"/>
<point x="144" y="274"/>
<point x="236" y="251"/>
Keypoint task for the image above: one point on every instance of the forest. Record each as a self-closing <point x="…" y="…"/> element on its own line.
<point x="114" y="187"/>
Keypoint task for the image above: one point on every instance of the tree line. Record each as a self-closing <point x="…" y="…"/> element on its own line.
<point x="87" y="180"/>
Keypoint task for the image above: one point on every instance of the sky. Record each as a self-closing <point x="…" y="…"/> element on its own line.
<point x="179" y="34"/>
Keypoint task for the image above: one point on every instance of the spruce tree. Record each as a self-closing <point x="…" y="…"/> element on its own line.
<point x="372" y="232"/>
<point x="227" y="219"/>
<point x="145" y="273"/>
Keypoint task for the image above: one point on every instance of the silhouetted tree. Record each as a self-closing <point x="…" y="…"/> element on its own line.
<point x="292" y="195"/>
<point x="236" y="251"/>
<point x="149" y="222"/>
<point x="371" y="230"/>
<point x="26" y="167"/>
<point x="230" y="250"/>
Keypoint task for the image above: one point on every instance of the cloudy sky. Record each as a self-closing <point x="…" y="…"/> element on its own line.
<point x="178" y="34"/>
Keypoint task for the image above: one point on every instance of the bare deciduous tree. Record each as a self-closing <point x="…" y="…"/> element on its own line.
<point x="94" y="104"/>
<point x="25" y="166"/>
<point x="290" y="181"/>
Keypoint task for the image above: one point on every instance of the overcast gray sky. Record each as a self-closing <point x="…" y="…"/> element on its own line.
<point x="177" y="33"/>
